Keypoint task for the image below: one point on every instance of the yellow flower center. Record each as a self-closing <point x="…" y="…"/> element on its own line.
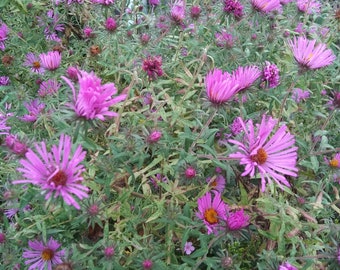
<point x="334" y="163"/>
<point x="213" y="184"/>
<point x="47" y="254"/>
<point x="210" y="215"/>
<point x="260" y="157"/>
<point x="59" y="179"/>
<point x="36" y="64"/>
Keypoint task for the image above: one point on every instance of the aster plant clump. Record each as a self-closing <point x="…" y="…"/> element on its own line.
<point x="176" y="134"/>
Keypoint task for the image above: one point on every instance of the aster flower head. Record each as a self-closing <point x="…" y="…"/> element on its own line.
<point x="110" y="24"/>
<point x="49" y="87"/>
<point x="220" y="86"/>
<point x="57" y="172"/>
<point x="224" y="39"/>
<point x="51" y="60"/>
<point x="72" y="73"/>
<point x="334" y="162"/>
<point x="88" y="32"/>
<point x="212" y="211"/>
<point x="234" y="7"/>
<point x="190" y="172"/>
<point x="34" y="108"/>
<point x="4" y="80"/>
<point x="273" y="157"/>
<point x="195" y="12"/>
<point x="309" y="6"/>
<point x="287" y="266"/>
<point x="34" y="63"/>
<point x="51" y="25"/>
<point x="236" y="126"/>
<point x="109" y="252"/>
<point x="152" y="65"/>
<point x="237" y="220"/>
<point x="217" y="183"/>
<point x="154" y="2"/>
<point x="266" y="6"/>
<point x="154" y="136"/>
<point x="93" y="99"/>
<point x="42" y="255"/>
<point x="178" y="11"/>
<point x="147" y="264"/>
<point x="3" y="35"/>
<point x="309" y="55"/>
<point x="104" y="2"/>
<point x="15" y="145"/>
<point x="271" y="75"/>
<point x="299" y="95"/>
<point x="246" y="76"/>
<point x="334" y="102"/>
<point x="188" y="248"/>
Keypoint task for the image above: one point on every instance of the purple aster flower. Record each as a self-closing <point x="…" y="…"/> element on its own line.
<point x="285" y="2"/>
<point x="195" y="12"/>
<point x="156" y="179"/>
<point x="110" y="24"/>
<point x="48" y="87"/>
<point x="154" y="2"/>
<point x="154" y="136"/>
<point x="220" y="86"/>
<point x="3" y="35"/>
<point x="334" y="162"/>
<point x="212" y="211"/>
<point x="234" y="7"/>
<point x="103" y="2"/>
<point x="217" y="182"/>
<point x="152" y="65"/>
<point x="109" y="252"/>
<point x="246" y="76"/>
<point x="190" y="172"/>
<point x="34" y="63"/>
<point x="309" y="6"/>
<point x="72" y="73"/>
<point x="9" y="213"/>
<point x="300" y="95"/>
<point x="147" y="264"/>
<point x="188" y="248"/>
<point x="41" y="255"/>
<point x="51" y="60"/>
<point x="4" y="80"/>
<point x="266" y="6"/>
<point x="271" y="75"/>
<point x="299" y="28"/>
<point x="236" y="126"/>
<point x="88" y="32"/>
<point x="15" y="145"/>
<point x="178" y="11"/>
<point x="287" y="266"/>
<point x="273" y="157"/>
<point x="334" y="102"/>
<point x="93" y="99"/>
<point x="34" y="109"/>
<point x="237" y="220"/>
<point x="57" y="172"/>
<point x="224" y="39"/>
<point x="310" y="56"/>
<point x="51" y="26"/>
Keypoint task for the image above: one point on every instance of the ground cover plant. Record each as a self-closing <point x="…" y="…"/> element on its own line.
<point x="169" y="134"/>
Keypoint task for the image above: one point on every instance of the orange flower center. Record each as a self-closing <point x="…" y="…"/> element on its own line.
<point x="260" y="157"/>
<point x="36" y="64"/>
<point x="210" y="215"/>
<point x="47" y="254"/>
<point x="59" y="179"/>
<point x="213" y="184"/>
<point x="334" y="163"/>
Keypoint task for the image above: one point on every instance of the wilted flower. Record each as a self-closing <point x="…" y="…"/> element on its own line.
<point x="237" y="220"/>
<point x="72" y="73"/>
<point x="188" y="248"/>
<point x="309" y="6"/>
<point x="234" y="7"/>
<point x="271" y="75"/>
<point x="152" y="65"/>
<point x="42" y="255"/>
<point x="273" y="158"/>
<point x="178" y="11"/>
<point x="110" y="24"/>
<point x="299" y="95"/>
<point x="212" y="211"/>
<point x="195" y="12"/>
<point x="220" y="86"/>
<point x="266" y="5"/>
<point x="48" y="87"/>
<point x="57" y="172"/>
<point x="246" y="76"/>
<point x="224" y="39"/>
<point x="35" y="107"/>
<point x="4" y="80"/>
<point x="15" y="145"/>
<point x="287" y="266"/>
<point x="51" y="26"/>
<point x="3" y="35"/>
<point x="94" y="99"/>
<point x="310" y="56"/>
<point x="34" y="63"/>
<point x="51" y="60"/>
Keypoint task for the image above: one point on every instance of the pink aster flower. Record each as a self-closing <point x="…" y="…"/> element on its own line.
<point x="212" y="211"/>
<point x="51" y="60"/>
<point x="4" y="80"/>
<point x="273" y="157"/>
<point x="147" y="264"/>
<point x="266" y="6"/>
<point x="195" y="12"/>
<point x="152" y="65"/>
<point x="237" y="220"/>
<point x="234" y="7"/>
<point x="15" y="145"/>
<point x="34" y="107"/>
<point x="217" y="182"/>
<point x="310" y="56"/>
<point x="34" y="63"/>
<point x="188" y="248"/>
<point x="41" y="255"/>
<point x="271" y="75"/>
<point x="72" y="73"/>
<point x="287" y="266"/>
<point x="178" y="11"/>
<point x="93" y="99"/>
<point x="48" y="87"/>
<point x="309" y="6"/>
<point x="246" y="76"/>
<point x="224" y="39"/>
<point x="154" y="136"/>
<point x="154" y="2"/>
<point x="299" y="95"/>
<point x="57" y="172"/>
<point x="334" y="162"/>
<point x="220" y="86"/>
<point x="110" y="24"/>
<point x="3" y="35"/>
<point x="103" y="2"/>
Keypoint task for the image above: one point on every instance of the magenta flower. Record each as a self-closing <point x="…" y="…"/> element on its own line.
<point x="287" y="266"/>
<point x="212" y="211"/>
<point x="334" y="162"/>
<point x="72" y="73"/>
<point x="15" y="145"/>
<point x="273" y="158"/>
<point x="57" y="172"/>
<point x="51" y="26"/>
<point x="299" y="95"/>
<point x="51" y="60"/>
<point x="236" y="126"/>
<point x="48" y="87"/>
<point x="310" y="56"/>
<point x="224" y="39"/>
<point x="190" y="172"/>
<point x="154" y="136"/>
<point x="217" y="183"/>
<point x="3" y="35"/>
<point x="4" y="80"/>
<point x="154" y="2"/>
<point x="237" y="220"/>
<point x="110" y="24"/>
<point x="94" y="99"/>
<point x="246" y="76"/>
<point x="309" y="6"/>
<point x="42" y="255"/>
<point x="271" y="75"/>
<point x="195" y="12"/>
<point x="104" y="2"/>
<point x="109" y="252"/>
<point x="266" y="6"/>
<point x="88" y="32"/>
<point x="34" y="63"/>
<point x="220" y="86"/>
<point x="152" y="65"/>
<point x="188" y="248"/>
<point x="178" y="11"/>
<point x="35" y="107"/>
<point x="147" y="264"/>
<point x="233" y="7"/>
